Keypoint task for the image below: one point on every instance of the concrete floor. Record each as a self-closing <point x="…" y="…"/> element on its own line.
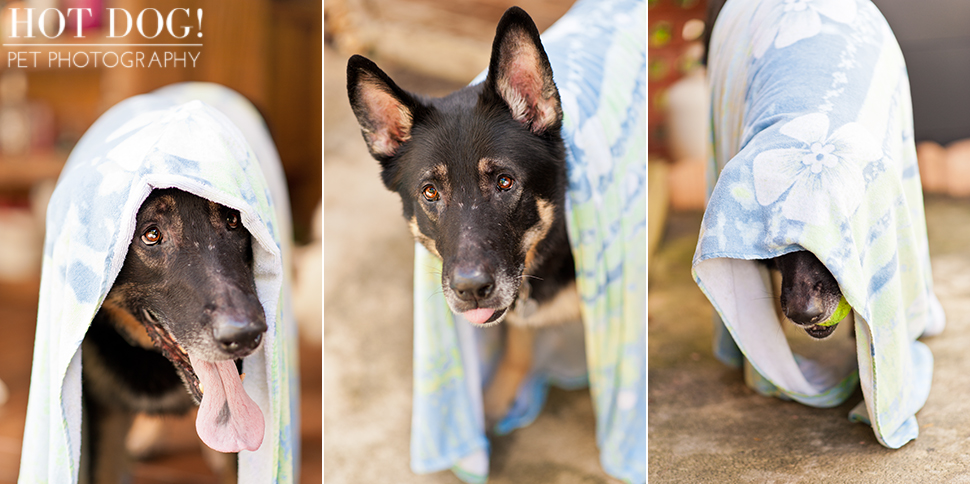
<point x="705" y="425"/>
<point x="368" y="329"/>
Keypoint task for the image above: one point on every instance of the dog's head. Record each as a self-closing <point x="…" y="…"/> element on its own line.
<point x="481" y="172"/>
<point x="188" y="278"/>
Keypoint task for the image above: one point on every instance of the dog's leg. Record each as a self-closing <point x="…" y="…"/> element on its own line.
<point x="152" y="435"/>
<point x="145" y="437"/>
<point x="109" y="461"/>
<point x="512" y="369"/>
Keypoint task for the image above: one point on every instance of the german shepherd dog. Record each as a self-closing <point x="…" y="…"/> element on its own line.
<point x="809" y="292"/>
<point x="482" y="177"/>
<point x="181" y="314"/>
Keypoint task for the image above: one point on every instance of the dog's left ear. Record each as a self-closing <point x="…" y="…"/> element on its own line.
<point x="384" y="111"/>
<point x="520" y="74"/>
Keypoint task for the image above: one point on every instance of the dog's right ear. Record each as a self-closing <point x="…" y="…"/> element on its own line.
<point x="384" y="110"/>
<point x="520" y="74"/>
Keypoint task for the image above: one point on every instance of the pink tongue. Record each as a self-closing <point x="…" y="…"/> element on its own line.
<point x="478" y="316"/>
<point x="228" y="420"/>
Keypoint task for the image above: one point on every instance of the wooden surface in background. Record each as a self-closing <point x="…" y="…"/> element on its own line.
<point x="294" y="103"/>
<point x="269" y="51"/>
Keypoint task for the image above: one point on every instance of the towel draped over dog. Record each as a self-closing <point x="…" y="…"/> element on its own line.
<point x="160" y="140"/>
<point x="813" y="150"/>
<point x="598" y="56"/>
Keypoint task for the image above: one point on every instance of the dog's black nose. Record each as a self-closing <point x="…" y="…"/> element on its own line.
<point x="472" y="284"/>
<point x="805" y="314"/>
<point x="237" y="336"/>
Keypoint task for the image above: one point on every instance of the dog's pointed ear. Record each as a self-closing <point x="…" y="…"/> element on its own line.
<point x="520" y="74"/>
<point x="384" y="111"/>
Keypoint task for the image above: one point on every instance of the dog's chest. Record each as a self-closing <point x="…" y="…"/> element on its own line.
<point x="528" y="312"/>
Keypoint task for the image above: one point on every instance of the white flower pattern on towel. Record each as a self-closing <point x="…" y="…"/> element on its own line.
<point x="794" y="20"/>
<point x="824" y="166"/>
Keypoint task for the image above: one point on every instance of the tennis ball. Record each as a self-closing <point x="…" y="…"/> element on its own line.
<point x="839" y="314"/>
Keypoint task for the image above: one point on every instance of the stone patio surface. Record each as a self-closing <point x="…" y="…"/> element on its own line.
<point x="705" y="425"/>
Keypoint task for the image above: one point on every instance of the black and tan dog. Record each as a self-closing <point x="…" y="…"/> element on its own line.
<point x="181" y="314"/>
<point x="482" y="176"/>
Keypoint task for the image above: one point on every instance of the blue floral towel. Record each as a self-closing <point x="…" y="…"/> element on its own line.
<point x="598" y="56"/>
<point x="146" y="142"/>
<point x="813" y="149"/>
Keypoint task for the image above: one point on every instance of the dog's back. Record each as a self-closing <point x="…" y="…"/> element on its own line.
<point x="813" y="150"/>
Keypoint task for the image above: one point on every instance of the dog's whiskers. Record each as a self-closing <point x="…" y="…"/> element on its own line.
<point x="435" y="293"/>
<point x="433" y="270"/>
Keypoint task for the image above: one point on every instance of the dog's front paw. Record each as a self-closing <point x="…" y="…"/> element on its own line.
<point x="498" y="399"/>
<point x="511" y="372"/>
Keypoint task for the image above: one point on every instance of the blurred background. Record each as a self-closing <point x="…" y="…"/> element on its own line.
<point x="431" y="47"/>
<point x="934" y="39"/>
<point x="268" y="50"/>
<point x="705" y="424"/>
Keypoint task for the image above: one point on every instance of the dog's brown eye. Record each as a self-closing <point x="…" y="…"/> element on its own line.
<point x="430" y="193"/>
<point x="505" y="182"/>
<point x="232" y="220"/>
<point x="151" y="236"/>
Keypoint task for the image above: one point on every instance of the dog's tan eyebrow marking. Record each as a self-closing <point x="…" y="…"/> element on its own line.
<point x="535" y="234"/>
<point x="163" y="209"/>
<point x="437" y="174"/>
<point x="165" y="203"/>
<point x="215" y="217"/>
<point x="485" y="166"/>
